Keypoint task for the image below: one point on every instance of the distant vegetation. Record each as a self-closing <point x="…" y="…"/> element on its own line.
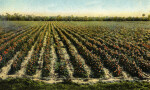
<point x="20" y="17"/>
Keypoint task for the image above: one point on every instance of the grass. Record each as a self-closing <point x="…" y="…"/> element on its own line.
<point x="28" y="84"/>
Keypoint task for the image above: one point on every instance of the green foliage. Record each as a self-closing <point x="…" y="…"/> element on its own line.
<point x="20" y="17"/>
<point x="27" y="84"/>
<point x="149" y="17"/>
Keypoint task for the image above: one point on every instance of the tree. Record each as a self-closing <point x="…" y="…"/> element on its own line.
<point x="46" y="18"/>
<point x="143" y="14"/>
<point x="149" y="17"/>
<point x="59" y="18"/>
<point x="85" y="18"/>
<point x="20" y="17"/>
<point x="8" y="16"/>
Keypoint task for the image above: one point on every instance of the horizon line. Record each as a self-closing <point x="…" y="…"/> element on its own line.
<point x="79" y="15"/>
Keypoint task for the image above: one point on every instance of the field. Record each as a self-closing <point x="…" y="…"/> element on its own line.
<point x="81" y="52"/>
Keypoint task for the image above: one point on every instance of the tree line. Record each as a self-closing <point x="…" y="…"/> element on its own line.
<point x="20" y="17"/>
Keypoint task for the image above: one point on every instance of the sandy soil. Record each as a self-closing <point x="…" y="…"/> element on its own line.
<point x="107" y="73"/>
<point x="53" y="61"/>
<point x="39" y="71"/>
<point x="66" y="57"/>
<point x="25" y="62"/>
<point x="6" y="68"/>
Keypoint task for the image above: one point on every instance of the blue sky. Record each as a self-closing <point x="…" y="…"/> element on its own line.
<point x="76" y="7"/>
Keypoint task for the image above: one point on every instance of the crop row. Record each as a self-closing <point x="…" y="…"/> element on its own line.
<point x="91" y="59"/>
<point x="136" y="55"/>
<point x="61" y="65"/>
<point x="79" y="70"/>
<point x="111" y="64"/>
<point x="14" y="45"/>
<point x="46" y="56"/>
<point x="25" y="49"/>
<point x="105" y="56"/>
<point x="33" y="62"/>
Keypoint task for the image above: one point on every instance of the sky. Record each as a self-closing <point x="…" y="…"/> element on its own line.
<point x="76" y="7"/>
